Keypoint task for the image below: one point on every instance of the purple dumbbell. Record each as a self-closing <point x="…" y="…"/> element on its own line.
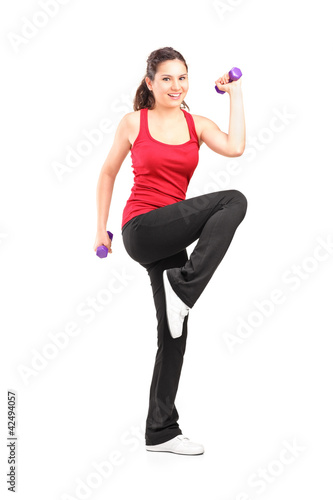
<point x="234" y="74"/>
<point x="102" y="250"/>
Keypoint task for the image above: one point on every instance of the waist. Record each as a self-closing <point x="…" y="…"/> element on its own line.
<point x="138" y="204"/>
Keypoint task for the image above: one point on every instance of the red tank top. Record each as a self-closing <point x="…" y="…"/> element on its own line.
<point x="161" y="171"/>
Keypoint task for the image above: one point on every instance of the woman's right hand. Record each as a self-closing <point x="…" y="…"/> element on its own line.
<point x="102" y="238"/>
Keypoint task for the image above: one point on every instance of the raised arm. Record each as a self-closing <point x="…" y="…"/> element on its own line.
<point x="233" y="143"/>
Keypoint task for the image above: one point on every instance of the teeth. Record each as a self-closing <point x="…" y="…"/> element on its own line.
<point x="174" y="95"/>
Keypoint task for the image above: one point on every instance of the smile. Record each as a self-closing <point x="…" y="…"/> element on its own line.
<point x="174" y="96"/>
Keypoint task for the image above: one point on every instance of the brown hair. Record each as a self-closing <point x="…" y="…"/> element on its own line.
<point x="144" y="98"/>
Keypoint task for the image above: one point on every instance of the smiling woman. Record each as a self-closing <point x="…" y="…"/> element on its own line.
<point x="158" y="223"/>
<point x="144" y="97"/>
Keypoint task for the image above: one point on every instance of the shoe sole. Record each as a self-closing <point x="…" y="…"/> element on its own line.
<point x="176" y="452"/>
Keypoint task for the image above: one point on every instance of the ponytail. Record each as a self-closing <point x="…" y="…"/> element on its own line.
<point x="144" y="97"/>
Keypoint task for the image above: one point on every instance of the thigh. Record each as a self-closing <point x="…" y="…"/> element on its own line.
<point x="168" y="230"/>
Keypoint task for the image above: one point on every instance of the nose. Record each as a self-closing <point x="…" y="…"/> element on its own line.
<point x="176" y="87"/>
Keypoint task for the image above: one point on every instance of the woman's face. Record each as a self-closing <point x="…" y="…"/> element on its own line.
<point x="171" y="78"/>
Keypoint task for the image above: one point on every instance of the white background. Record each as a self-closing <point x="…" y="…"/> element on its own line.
<point x="91" y="400"/>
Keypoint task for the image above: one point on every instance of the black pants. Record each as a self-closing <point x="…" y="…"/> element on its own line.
<point x="157" y="240"/>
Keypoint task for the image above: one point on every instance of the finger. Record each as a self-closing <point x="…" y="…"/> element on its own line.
<point x="227" y="77"/>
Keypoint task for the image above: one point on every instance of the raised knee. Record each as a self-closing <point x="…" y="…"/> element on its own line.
<point x="241" y="201"/>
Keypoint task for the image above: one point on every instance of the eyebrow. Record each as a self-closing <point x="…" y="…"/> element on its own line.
<point x="179" y="75"/>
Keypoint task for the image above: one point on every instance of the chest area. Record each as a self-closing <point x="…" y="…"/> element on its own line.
<point x="152" y="159"/>
<point x="174" y="133"/>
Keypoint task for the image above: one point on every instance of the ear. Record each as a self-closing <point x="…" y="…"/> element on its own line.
<point x="148" y="83"/>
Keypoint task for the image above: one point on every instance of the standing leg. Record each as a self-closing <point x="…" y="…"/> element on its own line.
<point x="162" y="418"/>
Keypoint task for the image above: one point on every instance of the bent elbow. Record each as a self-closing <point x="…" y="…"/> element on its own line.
<point x="240" y="150"/>
<point x="236" y="149"/>
<point x="237" y="152"/>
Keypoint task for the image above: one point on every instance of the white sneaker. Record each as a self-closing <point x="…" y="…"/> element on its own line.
<point x="180" y="445"/>
<point x="176" y="309"/>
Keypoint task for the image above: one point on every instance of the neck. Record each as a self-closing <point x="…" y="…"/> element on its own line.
<point x="167" y="113"/>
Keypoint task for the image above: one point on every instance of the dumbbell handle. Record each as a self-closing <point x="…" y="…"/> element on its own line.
<point x="234" y="74"/>
<point x="102" y="250"/>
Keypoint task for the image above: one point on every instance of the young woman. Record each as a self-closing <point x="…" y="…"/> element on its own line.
<point x="158" y="223"/>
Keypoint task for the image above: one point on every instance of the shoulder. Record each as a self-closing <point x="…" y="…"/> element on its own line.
<point x="131" y="124"/>
<point x="131" y="117"/>
<point x="132" y="120"/>
<point x="132" y="114"/>
<point x="129" y="121"/>
<point x="202" y="123"/>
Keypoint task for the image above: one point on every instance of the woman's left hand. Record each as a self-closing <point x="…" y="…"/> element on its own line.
<point x="223" y="83"/>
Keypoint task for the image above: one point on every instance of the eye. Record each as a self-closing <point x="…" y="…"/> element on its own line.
<point x="167" y="78"/>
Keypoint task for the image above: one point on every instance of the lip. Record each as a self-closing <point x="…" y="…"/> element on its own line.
<point x="177" y="95"/>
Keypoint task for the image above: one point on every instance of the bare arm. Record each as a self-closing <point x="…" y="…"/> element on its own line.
<point x="110" y="168"/>
<point x="233" y="143"/>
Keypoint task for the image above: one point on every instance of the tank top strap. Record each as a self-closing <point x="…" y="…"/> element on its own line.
<point x="143" y="132"/>
<point x="191" y="125"/>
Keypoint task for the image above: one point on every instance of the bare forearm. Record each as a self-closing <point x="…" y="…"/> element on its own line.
<point x="103" y="198"/>
<point x="236" y="133"/>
